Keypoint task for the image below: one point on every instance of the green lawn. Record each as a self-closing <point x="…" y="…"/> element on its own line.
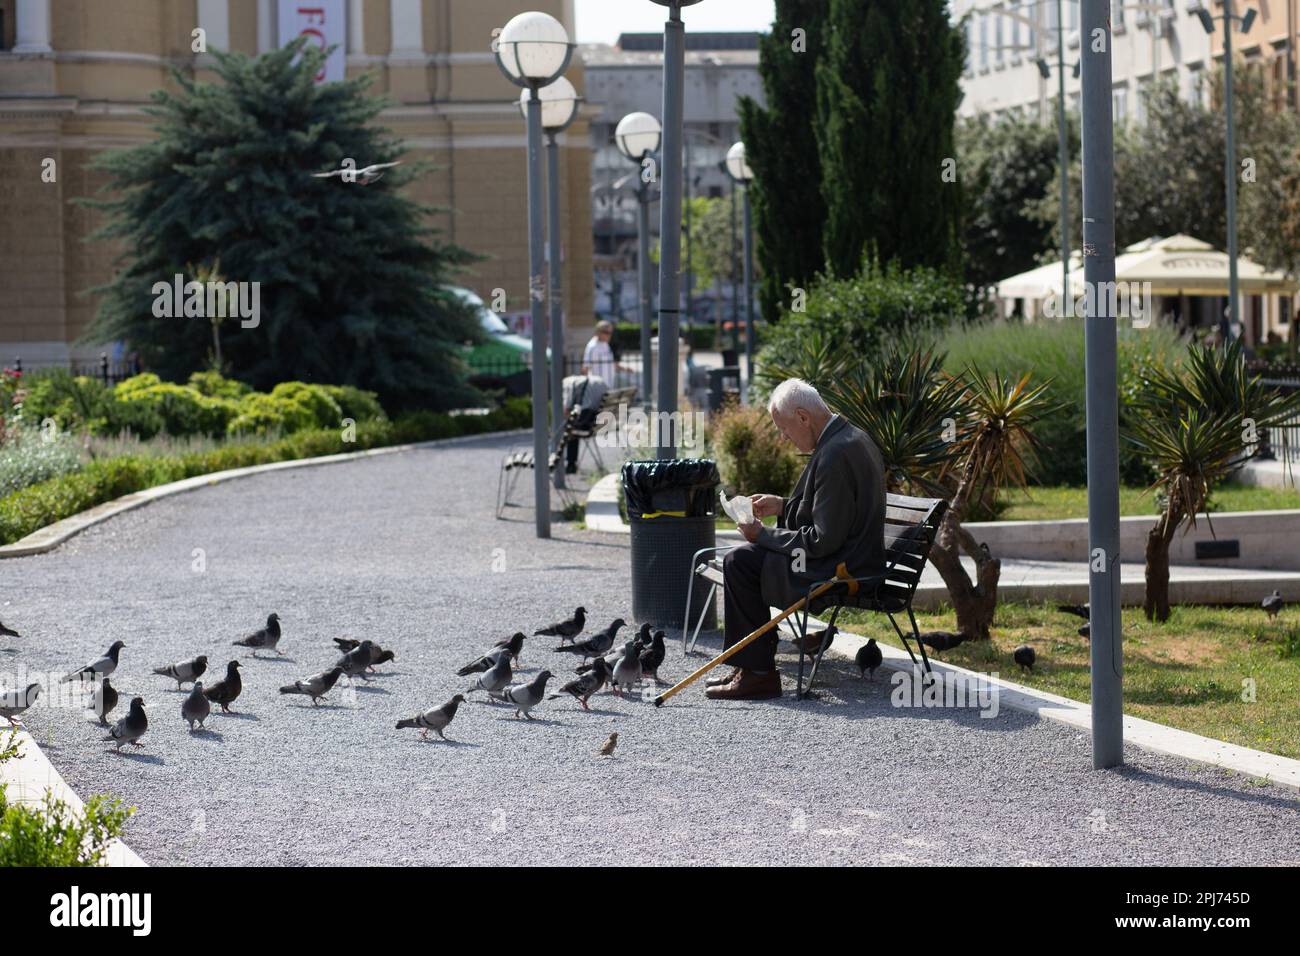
<point x="1040" y="504"/>
<point x="1187" y="673"/>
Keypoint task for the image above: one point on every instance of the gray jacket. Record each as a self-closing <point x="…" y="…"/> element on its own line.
<point x="837" y="513"/>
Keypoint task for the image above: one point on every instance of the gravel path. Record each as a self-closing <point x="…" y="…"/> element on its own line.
<point x="402" y="548"/>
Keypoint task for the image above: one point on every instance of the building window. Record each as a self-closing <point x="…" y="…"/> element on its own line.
<point x="970" y="45"/>
<point x="1116" y="16"/>
<point x="984" y="41"/>
<point x="7" y="21"/>
<point x="997" y="35"/>
<point x="1196" y="87"/>
<point x="1119" y="105"/>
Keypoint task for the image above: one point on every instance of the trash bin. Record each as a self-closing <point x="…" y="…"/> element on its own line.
<point x="672" y="508"/>
<point x="723" y="382"/>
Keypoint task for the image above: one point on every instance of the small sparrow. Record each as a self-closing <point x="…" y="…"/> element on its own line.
<point x="607" y="748"/>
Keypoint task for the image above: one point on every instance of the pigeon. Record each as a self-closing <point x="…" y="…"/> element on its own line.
<point x="378" y="657"/>
<point x="435" y="718"/>
<point x="511" y="645"/>
<point x="264" y="639"/>
<point x="355" y="661"/>
<point x="627" y="672"/>
<point x="365" y="176"/>
<point x="1024" y="656"/>
<point x="868" y="658"/>
<point x="653" y="656"/>
<point x="582" y="688"/>
<point x="1273" y="604"/>
<point x="8" y="631"/>
<point x="607" y="748"/>
<point x="186" y="670"/>
<point x="1078" y="610"/>
<point x="225" y="691"/>
<point x="597" y="644"/>
<point x="495" y="678"/>
<point x="316" y="686"/>
<point x="527" y="696"/>
<point x="132" y="727"/>
<point x="101" y="666"/>
<point x="612" y="658"/>
<point x="643" y="636"/>
<point x="942" y="640"/>
<point x="14" y="702"/>
<point x="566" y="629"/>
<point x="377" y="654"/>
<point x="195" y="708"/>
<point x="514" y="643"/>
<point x="103" y="699"/>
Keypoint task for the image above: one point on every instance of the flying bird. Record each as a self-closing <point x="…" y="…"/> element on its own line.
<point x="607" y="748"/>
<point x="1078" y="610"/>
<point x="103" y="699"/>
<point x="316" y="686"/>
<point x="653" y="656"/>
<point x="435" y="719"/>
<point x="1024" y="656"/>
<point x="1273" y="604"/>
<point x="527" y="696"/>
<point x="868" y="658"/>
<point x="8" y="631"/>
<point x="132" y="727"/>
<point x="100" y="666"/>
<point x="941" y="640"/>
<point x="565" y="629"/>
<point x="264" y="639"/>
<point x="582" y="688"/>
<point x="225" y="691"/>
<point x="195" y="708"/>
<point x="14" y="702"/>
<point x="365" y="176"/>
<point x="597" y="644"/>
<point x="186" y="670"/>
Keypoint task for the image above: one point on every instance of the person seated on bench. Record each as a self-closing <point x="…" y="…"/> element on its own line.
<point x="836" y="514"/>
<point x="587" y="392"/>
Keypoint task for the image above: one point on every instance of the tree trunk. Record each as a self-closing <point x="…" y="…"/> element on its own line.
<point x="1155" y="603"/>
<point x="974" y="601"/>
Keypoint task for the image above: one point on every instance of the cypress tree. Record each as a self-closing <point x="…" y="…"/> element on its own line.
<point x="782" y="151"/>
<point x="887" y="95"/>
<point x="350" y="274"/>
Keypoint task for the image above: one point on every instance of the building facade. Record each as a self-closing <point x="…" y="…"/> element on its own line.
<point x="75" y="76"/>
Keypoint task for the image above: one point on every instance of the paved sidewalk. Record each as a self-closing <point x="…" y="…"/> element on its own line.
<point x="404" y="549"/>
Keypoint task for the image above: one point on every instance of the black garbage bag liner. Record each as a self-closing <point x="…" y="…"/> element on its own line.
<point x="671" y="488"/>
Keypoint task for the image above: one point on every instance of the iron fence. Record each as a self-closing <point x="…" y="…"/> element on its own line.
<point x="110" y="373"/>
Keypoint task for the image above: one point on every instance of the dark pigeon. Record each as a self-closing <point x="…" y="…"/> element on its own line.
<point x="1024" y="656"/>
<point x="566" y="629"/>
<point x="1078" y="610"/>
<point x="1273" y="604"/>
<point x="582" y="688"/>
<point x="868" y="658"/>
<point x="226" y="690"/>
<point x="103" y="700"/>
<point x="132" y="727"/>
<point x="316" y="686"/>
<point x="942" y="640"/>
<point x="597" y="644"/>
<point x="653" y="656"/>
<point x="265" y="639"/>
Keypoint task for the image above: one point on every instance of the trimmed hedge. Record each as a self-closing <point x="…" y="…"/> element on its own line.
<point x="627" y="336"/>
<point x="42" y="504"/>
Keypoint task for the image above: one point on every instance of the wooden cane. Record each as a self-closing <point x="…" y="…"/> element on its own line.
<point x="842" y="576"/>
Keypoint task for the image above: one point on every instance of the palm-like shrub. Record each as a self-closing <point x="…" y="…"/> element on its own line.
<point x="1195" y="424"/>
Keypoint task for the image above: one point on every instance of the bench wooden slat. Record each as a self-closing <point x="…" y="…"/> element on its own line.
<point x="903" y="501"/>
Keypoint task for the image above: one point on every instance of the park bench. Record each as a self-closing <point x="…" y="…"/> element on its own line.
<point x="910" y="528"/>
<point x="587" y="436"/>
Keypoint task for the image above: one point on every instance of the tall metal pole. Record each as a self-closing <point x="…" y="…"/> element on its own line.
<point x="558" y="411"/>
<point x="1064" y="150"/>
<point x="670" y="232"/>
<point x="646" y="293"/>
<point x="1230" y="168"/>
<point x="1102" y="394"/>
<point x="735" y="292"/>
<point x="537" y="303"/>
<point x="749" y="297"/>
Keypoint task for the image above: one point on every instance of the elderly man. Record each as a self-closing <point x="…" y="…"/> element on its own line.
<point x="837" y="513"/>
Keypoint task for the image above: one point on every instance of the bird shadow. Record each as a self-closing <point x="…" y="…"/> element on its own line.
<point x="320" y="707"/>
<point x="1177" y="783"/>
<point x="8" y="650"/>
<point x="370" y="689"/>
<point x="601" y="711"/>
<point x="207" y="733"/>
<point x="272" y="660"/>
<point x="535" y="720"/>
<point x="138" y="758"/>
<point x="448" y="742"/>
<point x="236" y="715"/>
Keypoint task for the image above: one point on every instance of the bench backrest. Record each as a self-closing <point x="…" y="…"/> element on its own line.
<point x="910" y="528"/>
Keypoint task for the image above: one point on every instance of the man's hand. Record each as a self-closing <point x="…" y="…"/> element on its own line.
<point x="766" y="505"/>
<point x="750" y="531"/>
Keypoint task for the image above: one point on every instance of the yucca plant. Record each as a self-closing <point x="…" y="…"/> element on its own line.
<point x="1195" y="425"/>
<point x="814" y="357"/>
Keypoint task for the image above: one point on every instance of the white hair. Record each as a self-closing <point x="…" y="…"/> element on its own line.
<point x="793" y="394"/>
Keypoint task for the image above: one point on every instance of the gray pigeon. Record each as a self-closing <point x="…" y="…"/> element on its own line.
<point x="597" y="644"/>
<point x="265" y="639"/>
<point x="377" y="654"/>
<point x="195" y="708"/>
<point x="582" y="688"/>
<point x="627" y="672"/>
<point x="316" y="686"/>
<point x="496" y="677"/>
<point x="527" y="696"/>
<point x="186" y="670"/>
<point x="14" y="702"/>
<point x="132" y="727"/>
<point x="103" y="699"/>
<point x="435" y="719"/>
<point x="100" y="666"/>
<point x="565" y="629"/>
<point x="481" y="664"/>
<point x="8" y="631"/>
<point x="1273" y="604"/>
<point x="355" y="661"/>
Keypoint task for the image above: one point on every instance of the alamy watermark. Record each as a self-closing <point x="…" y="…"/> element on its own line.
<point x="1120" y="299"/>
<point x="954" y="690"/>
<point x="213" y="299"/>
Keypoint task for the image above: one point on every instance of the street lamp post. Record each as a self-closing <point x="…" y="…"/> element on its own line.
<point x="560" y="103"/>
<point x="1230" y="155"/>
<point x="670" y="226"/>
<point x="637" y="136"/>
<point x="532" y="50"/>
<point x="740" y="173"/>
<point x="1063" y="148"/>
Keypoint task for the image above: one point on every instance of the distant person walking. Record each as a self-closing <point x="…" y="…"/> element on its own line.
<point x="598" y="358"/>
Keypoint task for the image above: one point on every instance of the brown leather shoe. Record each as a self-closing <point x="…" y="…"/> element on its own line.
<point x="748" y="686"/>
<point x="722" y="679"/>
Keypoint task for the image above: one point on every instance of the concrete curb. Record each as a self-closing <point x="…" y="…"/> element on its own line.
<point x="30" y="776"/>
<point x="51" y="536"/>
